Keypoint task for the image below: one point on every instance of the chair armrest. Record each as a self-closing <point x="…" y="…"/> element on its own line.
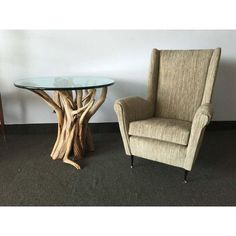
<point x="131" y="109"/>
<point x="201" y="119"/>
<point x="202" y="116"/>
<point x="134" y="108"/>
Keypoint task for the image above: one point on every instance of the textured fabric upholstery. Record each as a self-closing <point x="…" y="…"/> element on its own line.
<point x="152" y="149"/>
<point x="181" y="83"/>
<point x="201" y="119"/>
<point x="153" y="78"/>
<point x="169" y="126"/>
<point x="211" y="75"/>
<point x="169" y="130"/>
<point x="130" y="109"/>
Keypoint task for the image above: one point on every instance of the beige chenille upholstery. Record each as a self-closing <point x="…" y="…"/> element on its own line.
<point x="169" y="130"/>
<point x="168" y="126"/>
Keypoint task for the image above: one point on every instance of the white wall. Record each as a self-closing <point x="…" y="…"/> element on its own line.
<point x="122" y="55"/>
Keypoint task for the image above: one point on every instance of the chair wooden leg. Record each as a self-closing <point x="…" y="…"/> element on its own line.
<point x="185" y="176"/>
<point x="2" y="119"/>
<point x="132" y="161"/>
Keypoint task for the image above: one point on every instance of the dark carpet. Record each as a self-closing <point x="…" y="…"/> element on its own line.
<point x="28" y="177"/>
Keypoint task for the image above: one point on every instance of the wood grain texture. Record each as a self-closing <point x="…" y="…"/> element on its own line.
<point x="73" y="111"/>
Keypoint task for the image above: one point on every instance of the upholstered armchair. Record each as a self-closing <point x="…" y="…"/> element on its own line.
<point x="169" y="125"/>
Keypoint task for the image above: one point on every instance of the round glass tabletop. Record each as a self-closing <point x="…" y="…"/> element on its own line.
<point x="64" y="83"/>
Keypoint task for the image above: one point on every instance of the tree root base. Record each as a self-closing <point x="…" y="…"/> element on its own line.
<point x="73" y="114"/>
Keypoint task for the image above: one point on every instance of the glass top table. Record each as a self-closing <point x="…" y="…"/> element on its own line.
<point x="64" y="82"/>
<point x="74" y="101"/>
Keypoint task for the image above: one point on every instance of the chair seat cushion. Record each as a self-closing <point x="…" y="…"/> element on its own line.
<point x="169" y="130"/>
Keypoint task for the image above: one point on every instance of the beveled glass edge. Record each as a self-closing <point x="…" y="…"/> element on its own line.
<point x="65" y="88"/>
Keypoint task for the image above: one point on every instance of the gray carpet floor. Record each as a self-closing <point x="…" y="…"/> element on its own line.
<point x="28" y="177"/>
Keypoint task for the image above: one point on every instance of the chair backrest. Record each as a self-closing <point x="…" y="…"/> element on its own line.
<point x="181" y="80"/>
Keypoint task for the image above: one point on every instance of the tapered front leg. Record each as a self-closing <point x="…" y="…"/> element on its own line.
<point x="185" y="176"/>
<point x="132" y="161"/>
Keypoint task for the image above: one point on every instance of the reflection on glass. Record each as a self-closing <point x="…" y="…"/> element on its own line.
<point x="64" y="82"/>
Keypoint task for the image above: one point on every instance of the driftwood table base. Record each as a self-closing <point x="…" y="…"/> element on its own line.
<point x="74" y="110"/>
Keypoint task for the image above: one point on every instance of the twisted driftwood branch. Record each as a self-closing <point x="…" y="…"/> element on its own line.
<point x="73" y="114"/>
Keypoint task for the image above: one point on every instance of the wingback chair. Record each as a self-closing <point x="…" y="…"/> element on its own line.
<point x="169" y="125"/>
